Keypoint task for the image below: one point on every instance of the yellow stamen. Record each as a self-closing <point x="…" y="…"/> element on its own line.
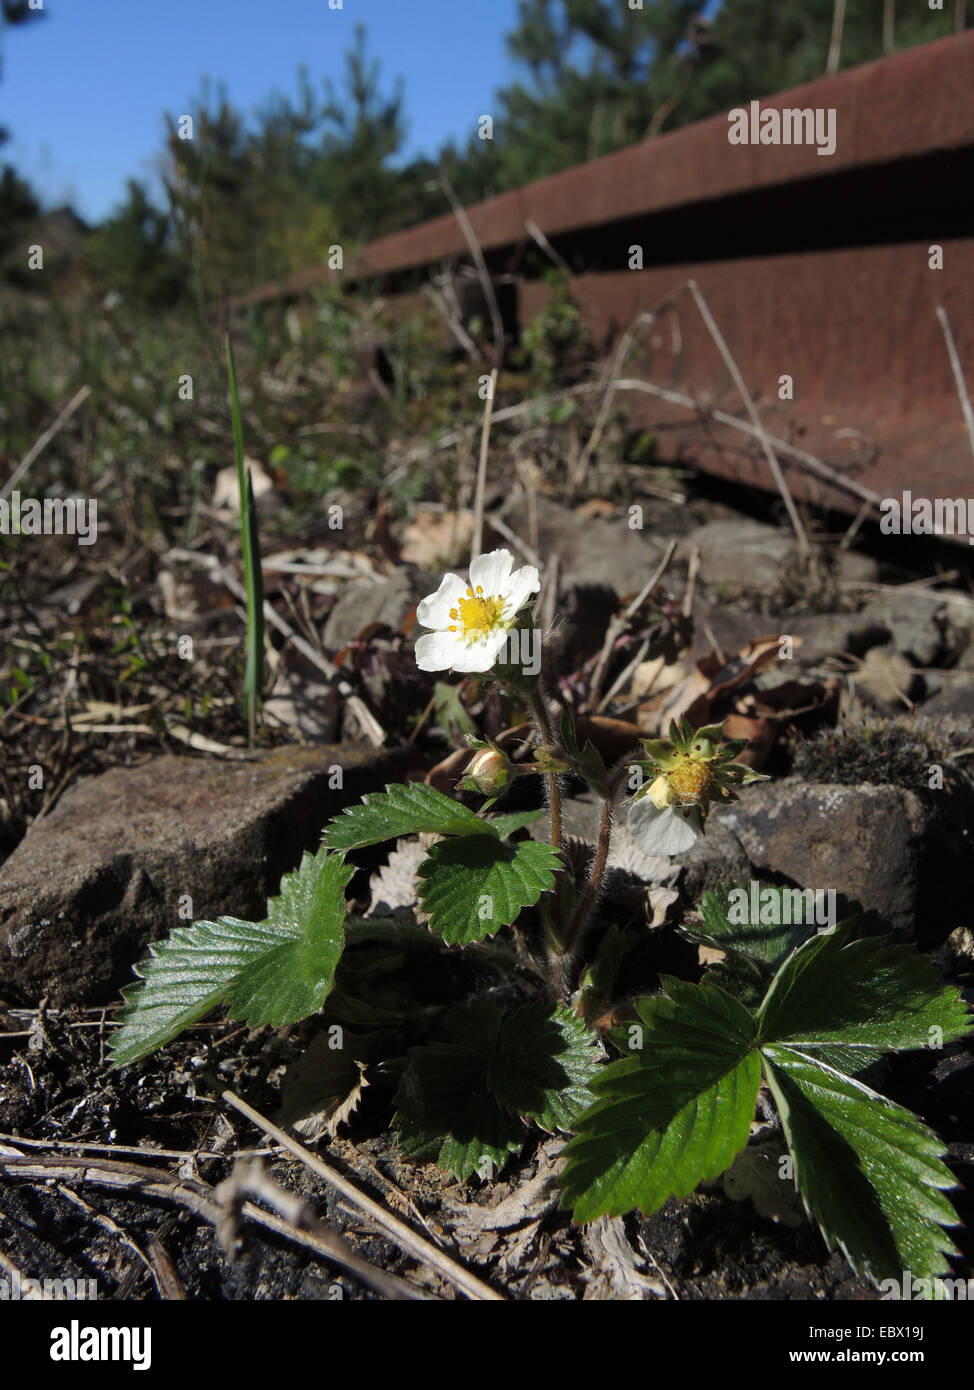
<point x="480" y="615"/>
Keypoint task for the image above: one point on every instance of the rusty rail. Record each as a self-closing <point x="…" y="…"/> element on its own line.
<point x="816" y="267"/>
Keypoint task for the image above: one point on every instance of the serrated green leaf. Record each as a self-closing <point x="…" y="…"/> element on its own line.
<point x="183" y="978"/>
<point x="543" y="1062"/>
<point x="464" y="1098"/>
<point x="402" y="810"/>
<point x="674" y="1114"/>
<point x="867" y="994"/>
<point x="475" y="884"/>
<point x="292" y="980"/>
<point x="276" y="971"/>
<point x="757" y="947"/>
<point x="869" y="1172"/>
<point x="510" y="821"/>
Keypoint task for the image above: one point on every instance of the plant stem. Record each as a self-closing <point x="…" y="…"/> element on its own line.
<point x="576" y="927"/>
<point x="547" y="742"/>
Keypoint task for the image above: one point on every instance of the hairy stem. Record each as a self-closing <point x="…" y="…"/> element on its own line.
<point x="540" y="710"/>
<point x="576" y="927"/>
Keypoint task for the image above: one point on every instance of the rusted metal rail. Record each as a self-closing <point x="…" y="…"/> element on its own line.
<point x="818" y="267"/>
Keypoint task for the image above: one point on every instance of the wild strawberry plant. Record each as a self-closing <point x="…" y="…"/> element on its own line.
<point x="659" y="1092"/>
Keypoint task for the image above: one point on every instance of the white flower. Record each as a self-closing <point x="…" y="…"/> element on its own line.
<point x="659" y="829"/>
<point x="470" y="622"/>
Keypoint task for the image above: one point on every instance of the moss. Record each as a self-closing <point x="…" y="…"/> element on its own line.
<point x="895" y="752"/>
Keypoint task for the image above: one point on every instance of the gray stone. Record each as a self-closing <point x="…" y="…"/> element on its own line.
<point x="741" y="554"/>
<point x="595" y="551"/>
<point x="387" y="601"/>
<point x="851" y="567"/>
<point x="106" y="872"/>
<point x="903" y="853"/>
<point x="926" y="625"/>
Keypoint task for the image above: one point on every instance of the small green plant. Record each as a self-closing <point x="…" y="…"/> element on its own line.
<point x="662" y="1095"/>
<point x="253" y="574"/>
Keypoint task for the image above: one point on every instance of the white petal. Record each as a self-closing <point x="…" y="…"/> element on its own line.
<point x="435" y="611"/>
<point x="661" y="832"/>
<point x="491" y="572"/>
<point x="435" y="651"/>
<point x="480" y="656"/>
<point x="522" y="584"/>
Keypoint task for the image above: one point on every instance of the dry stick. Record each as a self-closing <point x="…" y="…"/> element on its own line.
<point x="618" y="622"/>
<point x="533" y="230"/>
<point x="607" y="385"/>
<point x="421" y="1249"/>
<point x="248" y="1179"/>
<point x="529" y="553"/>
<point x="624" y="675"/>
<point x="195" y="1197"/>
<point x="453" y="323"/>
<point x="769" y="453"/>
<point x="470" y="236"/>
<point x="965" y="400"/>
<point x="40" y="444"/>
<point x="373" y="729"/>
<point x="781" y="446"/>
<point x="476" y="544"/>
<point x="7" y="1264"/>
<point x="835" y="42"/>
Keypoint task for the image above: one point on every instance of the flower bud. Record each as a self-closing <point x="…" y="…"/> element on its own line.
<point x="489" y="772"/>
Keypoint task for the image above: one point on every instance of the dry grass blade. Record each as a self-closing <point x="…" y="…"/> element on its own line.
<point x="196" y="1197"/>
<point x="407" y="1239"/>
<point x="43" y="440"/>
<point x="955" y="366"/>
<point x="745" y="395"/>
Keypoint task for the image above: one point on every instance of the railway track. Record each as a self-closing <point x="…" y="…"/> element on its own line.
<point x="824" y="271"/>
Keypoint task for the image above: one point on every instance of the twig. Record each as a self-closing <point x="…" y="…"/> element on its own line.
<point x="745" y="395"/>
<point x="781" y="446"/>
<point x="623" y="675"/>
<point x="452" y="322"/>
<point x="835" y="42"/>
<point x="965" y="400"/>
<point x="157" y="1184"/>
<point x="7" y="1264"/>
<point x="529" y="553"/>
<point x="248" y="1179"/>
<point x="618" y="623"/>
<point x="476" y="544"/>
<point x="42" y="442"/>
<point x="614" y="366"/>
<point x="407" y="1239"/>
<point x="470" y="236"/>
<point x="534" y="231"/>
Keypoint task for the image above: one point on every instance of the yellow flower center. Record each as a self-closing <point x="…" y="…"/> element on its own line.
<point x="477" y="615"/>
<point x="692" y="782"/>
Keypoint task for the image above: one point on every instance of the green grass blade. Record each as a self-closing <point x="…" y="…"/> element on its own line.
<point x="250" y="546"/>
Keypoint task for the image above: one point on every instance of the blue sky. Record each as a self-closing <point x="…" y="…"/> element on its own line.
<point x="83" y="91"/>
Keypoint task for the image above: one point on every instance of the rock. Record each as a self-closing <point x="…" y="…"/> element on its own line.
<point x="387" y="601"/>
<point x="595" y="551"/>
<point x="741" y="554"/>
<point x="925" y="625"/>
<point x="905" y="854"/>
<point x="108" y="870"/>
<point x="852" y="567"/>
